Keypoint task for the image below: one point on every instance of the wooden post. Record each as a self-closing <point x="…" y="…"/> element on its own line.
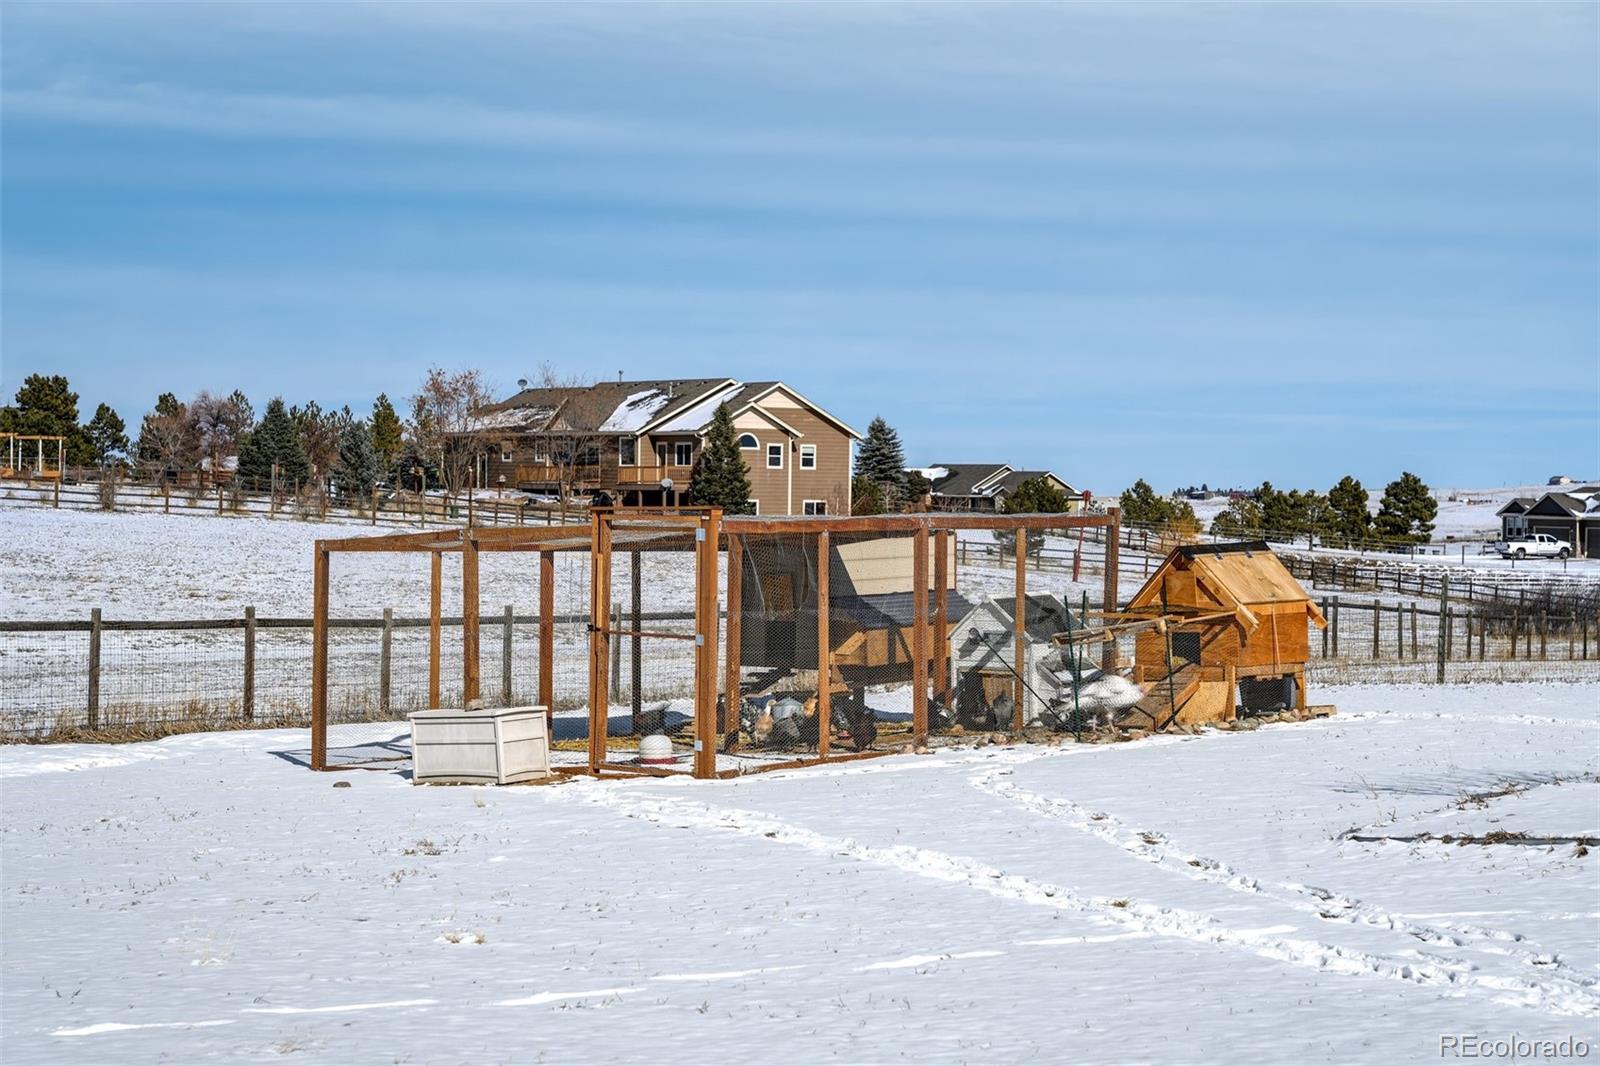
<point x="1400" y="632"/>
<point x="219" y="499"/>
<point x="636" y="642"/>
<point x="1544" y="633"/>
<point x="732" y="698"/>
<point x="1413" y="630"/>
<point x="705" y="661"/>
<point x="1019" y="630"/>
<point x="547" y="637"/>
<point x="469" y="619"/>
<point x="1335" y="626"/>
<point x="1444" y="614"/>
<point x="1327" y="618"/>
<point x="1377" y="615"/>
<point x="824" y="648"/>
<point x="435" y="626"/>
<point x="507" y="631"/>
<point x="599" y="639"/>
<point x="1108" y="653"/>
<point x="386" y="660"/>
<point x="941" y="619"/>
<point x="374" y="507"/>
<point x="614" y="653"/>
<point x="919" y="632"/>
<point x="94" y="668"/>
<point x="248" y="708"/>
<point x="319" y="660"/>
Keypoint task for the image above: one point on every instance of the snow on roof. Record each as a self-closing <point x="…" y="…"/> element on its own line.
<point x="932" y="473"/>
<point x="512" y="418"/>
<point x="692" y="418"/>
<point x="634" y="413"/>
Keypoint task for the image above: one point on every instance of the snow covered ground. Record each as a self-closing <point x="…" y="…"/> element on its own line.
<point x="1183" y="899"/>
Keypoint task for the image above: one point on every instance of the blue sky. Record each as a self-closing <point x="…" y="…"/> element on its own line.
<point x="1188" y="243"/>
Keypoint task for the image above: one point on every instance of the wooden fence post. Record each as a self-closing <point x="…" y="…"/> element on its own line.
<point x="547" y="636"/>
<point x="941" y="612"/>
<point x="615" y="655"/>
<point x="919" y="632"/>
<point x="435" y="625"/>
<point x="824" y="648"/>
<point x="248" y="708"/>
<point x="319" y="660"/>
<point x="705" y="664"/>
<point x="1108" y="651"/>
<point x="507" y="628"/>
<point x="636" y="642"/>
<point x="1377" y="615"/>
<point x="94" y="668"/>
<point x="470" y="664"/>
<point x="732" y="695"/>
<point x="386" y="660"/>
<point x="1019" y="628"/>
<point x="1325" y="629"/>
<point x="1444" y="628"/>
<point x="1414" y="653"/>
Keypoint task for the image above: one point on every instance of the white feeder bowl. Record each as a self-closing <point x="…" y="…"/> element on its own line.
<point x="656" y="750"/>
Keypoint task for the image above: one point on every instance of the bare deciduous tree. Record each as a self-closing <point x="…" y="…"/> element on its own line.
<point x="443" y="427"/>
<point x="568" y="446"/>
<point x="218" y="425"/>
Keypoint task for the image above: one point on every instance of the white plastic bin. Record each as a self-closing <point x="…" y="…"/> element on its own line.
<point x="487" y="747"/>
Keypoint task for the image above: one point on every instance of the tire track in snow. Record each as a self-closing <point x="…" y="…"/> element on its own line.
<point x="1196" y="927"/>
<point x="1325" y="905"/>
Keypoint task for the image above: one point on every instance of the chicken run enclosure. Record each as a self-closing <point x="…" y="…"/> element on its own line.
<point x="749" y="643"/>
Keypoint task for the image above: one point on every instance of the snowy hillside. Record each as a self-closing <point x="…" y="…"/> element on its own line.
<point x="1184" y="899"/>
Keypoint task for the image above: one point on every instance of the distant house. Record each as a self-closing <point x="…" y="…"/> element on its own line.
<point x="1572" y="515"/>
<point x="635" y="443"/>
<point x="985" y="486"/>
<point x="1559" y="479"/>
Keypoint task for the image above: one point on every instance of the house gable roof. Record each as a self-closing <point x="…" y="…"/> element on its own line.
<point x="1046" y="616"/>
<point x="1016" y="478"/>
<point x="753" y="392"/>
<point x="1517" y="505"/>
<point x="967" y="479"/>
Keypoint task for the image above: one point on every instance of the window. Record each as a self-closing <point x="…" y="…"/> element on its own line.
<point x="661" y="455"/>
<point x="748" y="442"/>
<point x="808" y="457"/>
<point x="627" y="451"/>
<point x="506" y="454"/>
<point x="755" y="506"/>
<point x="774" y="457"/>
<point x="683" y="453"/>
<point x="541" y="452"/>
<point x="589" y="455"/>
<point x="815" y="507"/>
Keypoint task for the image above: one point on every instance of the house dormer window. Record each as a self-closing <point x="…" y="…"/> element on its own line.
<point x="748" y="442"/>
<point x="774" y="457"/>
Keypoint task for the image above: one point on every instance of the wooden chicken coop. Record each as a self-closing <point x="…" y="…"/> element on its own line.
<point x="1234" y="636"/>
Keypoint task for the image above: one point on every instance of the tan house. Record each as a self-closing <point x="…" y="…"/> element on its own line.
<point x="635" y="443"/>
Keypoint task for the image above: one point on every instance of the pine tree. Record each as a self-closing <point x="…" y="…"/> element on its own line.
<point x="720" y="477"/>
<point x="107" y="435"/>
<point x="1240" y="520"/>
<point x="356" y="472"/>
<point x="866" y="496"/>
<point x="47" y="406"/>
<point x="1142" y="507"/>
<point x="388" y="435"/>
<point x="881" y="460"/>
<point x="275" y="440"/>
<point x="1034" y="496"/>
<point x="1349" y="522"/>
<point x="1406" y="511"/>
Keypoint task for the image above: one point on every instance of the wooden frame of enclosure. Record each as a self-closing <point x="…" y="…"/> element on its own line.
<point x="704" y="531"/>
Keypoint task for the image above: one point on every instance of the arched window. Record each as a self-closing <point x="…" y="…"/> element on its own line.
<point x="748" y="441"/>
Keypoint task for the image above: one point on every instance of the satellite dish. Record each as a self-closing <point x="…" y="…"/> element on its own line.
<point x="666" y="484"/>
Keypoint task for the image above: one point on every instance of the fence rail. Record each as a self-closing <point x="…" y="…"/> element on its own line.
<point x="60" y="676"/>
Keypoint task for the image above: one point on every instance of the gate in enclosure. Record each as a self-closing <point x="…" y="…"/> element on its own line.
<point x="719" y="645"/>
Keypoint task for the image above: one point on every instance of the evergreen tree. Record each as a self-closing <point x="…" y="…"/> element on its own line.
<point x="1034" y="496"/>
<point x="356" y="472"/>
<point x="1240" y="520"/>
<point x="1406" y="511"/>
<point x="1349" y="523"/>
<point x="107" y="435"/>
<point x="1142" y="507"/>
<point x="47" y="406"/>
<point x="275" y="440"/>
<point x="866" y="496"/>
<point x="917" y="486"/>
<point x="721" y="478"/>
<point x="388" y="435"/>
<point x="881" y="460"/>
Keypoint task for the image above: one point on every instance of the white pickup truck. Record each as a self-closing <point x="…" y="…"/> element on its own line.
<point x="1538" y="545"/>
